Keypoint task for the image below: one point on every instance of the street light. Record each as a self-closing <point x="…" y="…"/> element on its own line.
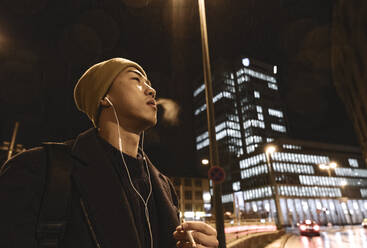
<point x="213" y="147"/>
<point x="204" y="161"/>
<point x="328" y="167"/>
<point x="269" y="150"/>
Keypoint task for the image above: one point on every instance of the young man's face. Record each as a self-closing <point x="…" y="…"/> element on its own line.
<point x="134" y="99"/>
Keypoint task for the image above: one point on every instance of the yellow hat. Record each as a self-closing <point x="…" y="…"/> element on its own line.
<point x="95" y="82"/>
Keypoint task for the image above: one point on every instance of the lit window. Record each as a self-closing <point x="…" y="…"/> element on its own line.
<point x="256" y="94"/>
<point x="353" y="162"/>
<point x="272" y="86"/>
<point x="260" y="117"/>
<point x="199" y="90"/>
<point x="300" y="158"/>
<point x="294" y="147"/>
<point x="350" y="172"/>
<point x="236" y="186"/>
<point x="278" y="128"/>
<point x="254" y="171"/>
<point x="259" y="109"/>
<point x="257" y="193"/>
<point x="275" y="112"/>
<point x="253" y="123"/>
<point x="227" y="198"/>
<point x="275" y="69"/>
<point x="200" y="109"/>
<point x="256" y="74"/>
<point x="293" y="168"/>
<point x="254" y="160"/>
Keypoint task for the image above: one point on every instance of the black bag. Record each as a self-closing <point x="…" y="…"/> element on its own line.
<point x="55" y="205"/>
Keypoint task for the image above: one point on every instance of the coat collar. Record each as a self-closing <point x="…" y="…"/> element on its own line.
<point x="106" y="200"/>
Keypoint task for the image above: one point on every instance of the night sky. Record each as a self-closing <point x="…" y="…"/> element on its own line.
<point x="45" y="46"/>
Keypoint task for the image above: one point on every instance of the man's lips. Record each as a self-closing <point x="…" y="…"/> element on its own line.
<point x="152" y="103"/>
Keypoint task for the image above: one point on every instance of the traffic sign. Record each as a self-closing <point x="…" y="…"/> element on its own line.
<point x="216" y="174"/>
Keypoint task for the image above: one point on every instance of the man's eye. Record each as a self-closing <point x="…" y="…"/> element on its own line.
<point x="136" y="78"/>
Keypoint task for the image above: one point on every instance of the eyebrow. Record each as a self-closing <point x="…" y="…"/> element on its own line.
<point x="141" y="75"/>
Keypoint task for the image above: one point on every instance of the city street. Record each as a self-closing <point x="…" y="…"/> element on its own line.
<point x="343" y="237"/>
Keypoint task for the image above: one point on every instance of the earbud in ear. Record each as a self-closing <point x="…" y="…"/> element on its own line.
<point x="108" y="100"/>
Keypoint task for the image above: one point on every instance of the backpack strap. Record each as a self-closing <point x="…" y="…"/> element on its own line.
<point x="54" y="215"/>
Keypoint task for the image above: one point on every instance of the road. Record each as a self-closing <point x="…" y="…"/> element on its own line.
<point x="343" y="237"/>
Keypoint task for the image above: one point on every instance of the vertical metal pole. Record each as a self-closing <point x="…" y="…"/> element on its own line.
<point x="274" y="188"/>
<point x="182" y="205"/>
<point x="213" y="148"/>
<point x="12" y="143"/>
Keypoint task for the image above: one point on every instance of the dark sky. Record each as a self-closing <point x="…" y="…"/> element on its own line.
<point x="45" y="46"/>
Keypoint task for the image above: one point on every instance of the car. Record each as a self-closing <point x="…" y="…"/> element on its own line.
<point x="364" y="223"/>
<point x="309" y="228"/>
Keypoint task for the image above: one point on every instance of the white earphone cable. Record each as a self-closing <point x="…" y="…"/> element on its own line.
<point x="145" y="202"/>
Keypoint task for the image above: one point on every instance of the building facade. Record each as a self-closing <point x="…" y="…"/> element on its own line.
<point x="249" y="116"/>
<point x="193" y="197"/>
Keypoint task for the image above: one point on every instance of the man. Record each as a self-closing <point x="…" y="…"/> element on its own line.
<point x="118" y="198"/>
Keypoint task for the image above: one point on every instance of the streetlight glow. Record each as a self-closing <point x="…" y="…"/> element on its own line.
<point x="270" y="149"/>
<point x="323" y="166"/>
<point x="333" y="165"/>
<point x="204" y="161"/>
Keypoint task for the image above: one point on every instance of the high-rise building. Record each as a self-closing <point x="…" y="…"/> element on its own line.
<point x="250" y="115"/>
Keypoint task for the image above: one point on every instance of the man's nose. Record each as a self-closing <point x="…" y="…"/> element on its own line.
<point x="150" y="91"/>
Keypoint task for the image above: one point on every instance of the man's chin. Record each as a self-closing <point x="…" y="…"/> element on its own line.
<point x="148" y="123"/>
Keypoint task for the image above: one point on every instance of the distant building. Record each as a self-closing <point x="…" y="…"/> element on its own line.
<point x="306" y="191"/>
<point x="193" y="197"/>
<point x="249" y="115"/>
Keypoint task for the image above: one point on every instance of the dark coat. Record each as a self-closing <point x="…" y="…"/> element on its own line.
<point x="100" y="214"/>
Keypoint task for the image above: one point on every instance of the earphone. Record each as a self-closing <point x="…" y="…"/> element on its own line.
<point x="145" y="202"/>
<point x="142" y="136"/>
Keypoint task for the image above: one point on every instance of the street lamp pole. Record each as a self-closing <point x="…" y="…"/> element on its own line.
<point x="213" y="148"/>
<point x="274" y="187"/>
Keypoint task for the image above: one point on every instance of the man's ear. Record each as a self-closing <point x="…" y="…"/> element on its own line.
<point x="104" y="103"/>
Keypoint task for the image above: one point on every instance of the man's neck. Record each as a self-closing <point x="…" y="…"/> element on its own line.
<point x="129" y="140"/>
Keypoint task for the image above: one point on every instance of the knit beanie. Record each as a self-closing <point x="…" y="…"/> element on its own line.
<point x="95" y="83"/>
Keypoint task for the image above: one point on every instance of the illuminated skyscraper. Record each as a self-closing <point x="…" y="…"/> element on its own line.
<point x="249" y="115"/>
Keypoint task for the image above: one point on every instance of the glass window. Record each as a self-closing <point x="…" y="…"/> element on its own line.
<point x="188" y="207"/>
<point x="198" y="182"/>
<point x="187" y="182"/>
<point x="353" y="162"/>
<point x="188" y="194"/>
<point x="256" y="94"/>
<point x="198" y="195"/>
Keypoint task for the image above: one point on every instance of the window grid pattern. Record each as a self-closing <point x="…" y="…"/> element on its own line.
<point x="292" y="147"/>
<point x="256" y="74"/>
<point x="350" y="172"/>
<point x="254" y="171"/>
<point x="301" y="191"/>
<point x="257" y="193"/>
<point x="293" y="168"/>
<point x="275" y="112"/>
<point x="331" y="181"/>
<point x="253" y="123"/>
<point x="278" y="128"/>
<point x="254" y="160"/>
<point x="300" y="158"/>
